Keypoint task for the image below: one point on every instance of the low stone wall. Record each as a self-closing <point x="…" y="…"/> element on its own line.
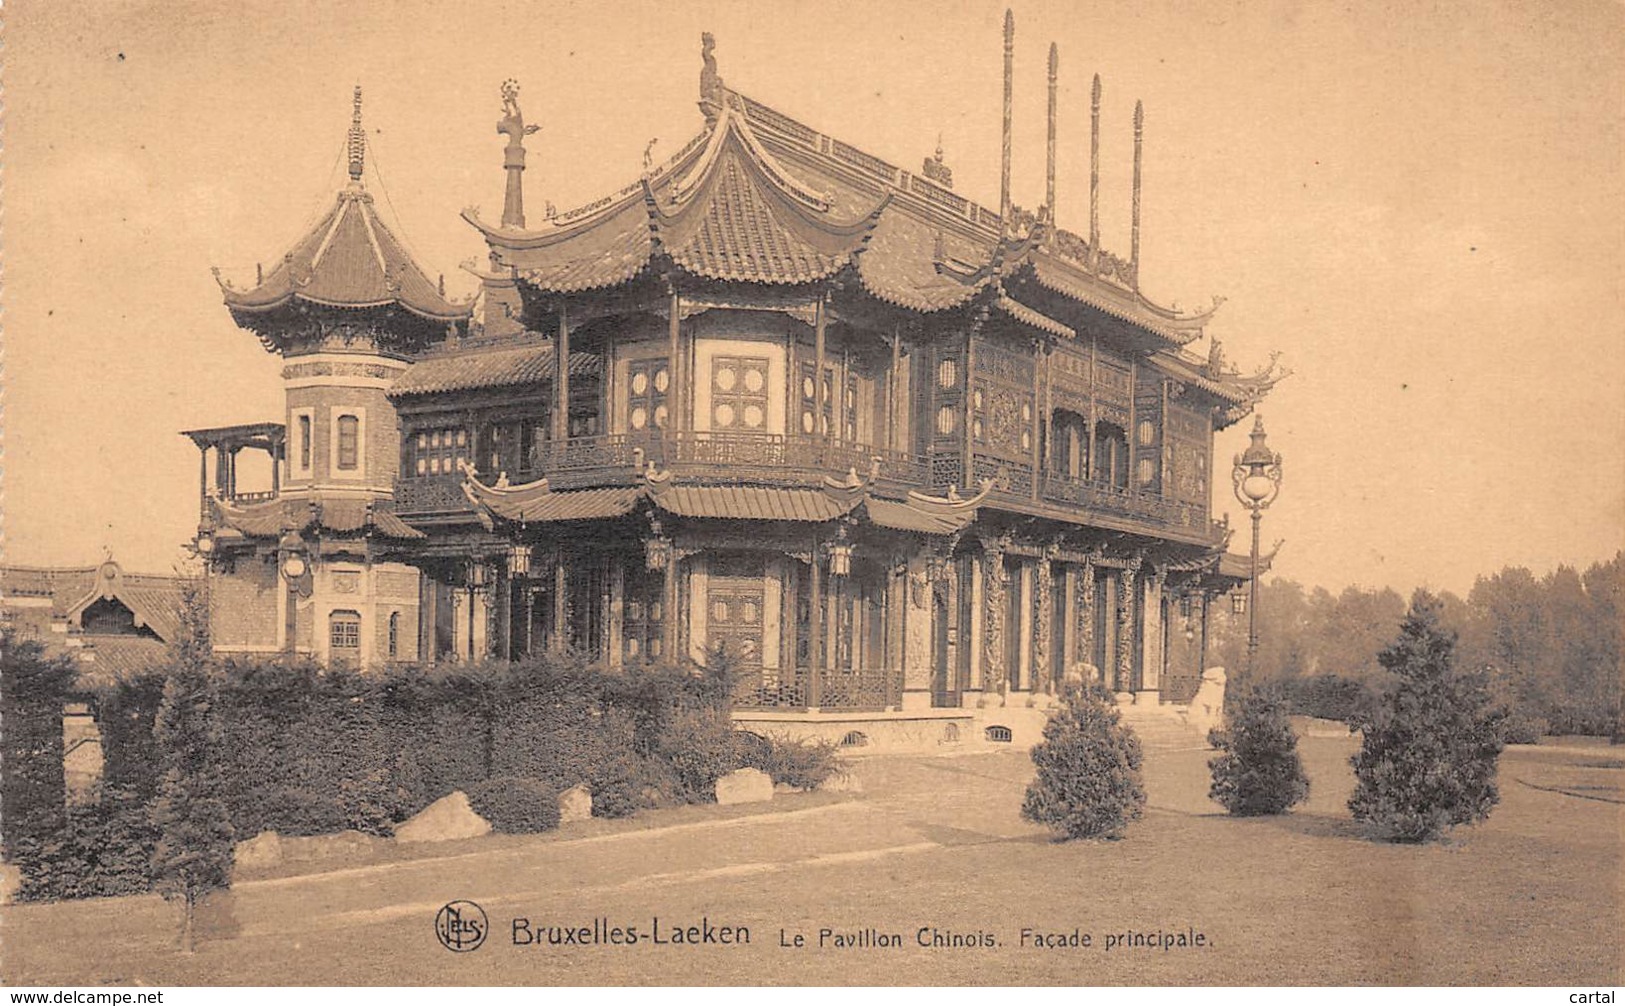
<point x="918" y="731"/>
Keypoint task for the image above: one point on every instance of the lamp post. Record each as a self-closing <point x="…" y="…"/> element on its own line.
<point x="1256" y="480"/>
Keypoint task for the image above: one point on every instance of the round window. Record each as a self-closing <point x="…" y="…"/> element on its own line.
<point x="945" y="420"/>
<point x="640" y="418"/>
<point x="1147" y="471"/>
<point x="1147" y="433"/>
<point x="755" y="381"/>
<point x="806" y="422"/>
<point x="807" y="388"/>
<point x="640" y="383"/>
<point x="725" y="414"/>
<point x="726" y="378"/>
<point x="754" y="416"/>
<point x="947" y="373"/>
<point x="660" y="417"/>
<point x="661" y="380"/>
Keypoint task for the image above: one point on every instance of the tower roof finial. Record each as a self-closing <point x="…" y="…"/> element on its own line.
<point x="358" y="141"/>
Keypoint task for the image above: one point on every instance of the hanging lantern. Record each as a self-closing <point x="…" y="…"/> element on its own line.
<point x="840" y="555"/>
<point x="205" y="541"/>
<point x="656" y="549"/>
<point x="294" y="564"/>
<point x="519" y="561"/>
<point x="478" y="575"/>
<point x="1238" y="603"/>
<point x="1185" y="606"/>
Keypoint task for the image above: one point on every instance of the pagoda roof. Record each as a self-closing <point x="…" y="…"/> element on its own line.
<point x="349" y="260"/>
<point x="724" y="210"/>
<point x="341" y="516"/>
<point x="756" y="197"/>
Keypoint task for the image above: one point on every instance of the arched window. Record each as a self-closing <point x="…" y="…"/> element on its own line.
<point x="1111" y="455"/>
<point x="349" y="443"/>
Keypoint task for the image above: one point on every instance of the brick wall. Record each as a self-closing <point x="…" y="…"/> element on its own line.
<point x="243" y="605"/>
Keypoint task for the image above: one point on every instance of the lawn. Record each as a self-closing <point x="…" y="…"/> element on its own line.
<point x="1533" y="896"/>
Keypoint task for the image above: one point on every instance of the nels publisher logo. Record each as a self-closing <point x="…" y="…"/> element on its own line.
<point x="461" y="926"/>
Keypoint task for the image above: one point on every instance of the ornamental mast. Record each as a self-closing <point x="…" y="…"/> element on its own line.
<point x="1049" y="160"/>
<point x="1094" y="170"/>
<point x="1134" y="240"/>
<point x="357" y="143"/>
<point x="1004" y="163"/>
<point x="512" y="125"/>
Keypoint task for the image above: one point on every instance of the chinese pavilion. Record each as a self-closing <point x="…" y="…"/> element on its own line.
<point x="893" y="449"/>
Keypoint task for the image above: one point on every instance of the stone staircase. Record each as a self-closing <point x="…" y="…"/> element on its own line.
<point x="1161" y="727"/>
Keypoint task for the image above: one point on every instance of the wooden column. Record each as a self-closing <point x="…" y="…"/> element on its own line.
<point x="1127" y="584"/>
<point x="1036" y="427"/>
<point x="891" y="388"/>
<point x="1132" y="435"/>
<point x="1043" y="645"/>
<point x="815" y="629"/>
<point x="561" y="381"/>
<point x="202" y="484"/>
<point x="505" y="614"/>
<point x="561" y="606"/>
<point x="668" y="612"/>
<point x="1086" y="612"/>
<point x="674" y="350"/>
<point x="994" y="674"/>
<point x="1092" y="464"/>
<point x="968" y="412"/>
<point x="820" y="390"/>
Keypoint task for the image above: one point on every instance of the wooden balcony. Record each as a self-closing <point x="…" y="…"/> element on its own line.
<point x="720" y="458"/>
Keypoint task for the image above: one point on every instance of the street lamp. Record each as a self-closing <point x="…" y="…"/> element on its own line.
<point x="1256" y="479"/>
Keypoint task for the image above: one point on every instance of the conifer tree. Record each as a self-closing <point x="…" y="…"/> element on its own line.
<point x="194" y="852"/>
<point x="1258" y="771"/>
<point x="1428" y="759"/>
<point x="1088" y="783"/>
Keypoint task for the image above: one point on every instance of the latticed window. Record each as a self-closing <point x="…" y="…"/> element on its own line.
<point x="739" y="393"/>
<point x="647" y="382"/>
<point x="304" y="442"/>
<point x="643" y="615"/>
<point x="810" y="421"/>
<point x="436" y="452"/>
<point x="349" y="443"/>
<point x="344" y="633"/>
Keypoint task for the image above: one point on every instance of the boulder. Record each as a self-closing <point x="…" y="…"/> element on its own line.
<point x="447" y="819"/>
<point x="745" y="785"/>
<point x="1207" y="708"/>
<point x="347" y="845"/>
<point x="575" y="804"/>
<point x="261" y="851"/>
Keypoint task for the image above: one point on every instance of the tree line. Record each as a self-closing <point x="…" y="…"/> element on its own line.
<point x="1550" y="645"/>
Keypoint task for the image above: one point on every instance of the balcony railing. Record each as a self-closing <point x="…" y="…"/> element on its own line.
<point x="733" y="455"/>
<point x="831" y="690"/>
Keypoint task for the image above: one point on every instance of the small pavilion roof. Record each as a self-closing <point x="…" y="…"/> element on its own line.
<point x="503" y="365"/>
<point x="349" y="260"/>
<point x="341" y="516"/>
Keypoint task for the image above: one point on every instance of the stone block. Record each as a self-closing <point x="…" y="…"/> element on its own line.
<point x="262" y="851"/>
<point x="842" y="782"/>
<point x="745" y="785"/>
<point x="575" y="804"/>
<point x="447" y="819"/>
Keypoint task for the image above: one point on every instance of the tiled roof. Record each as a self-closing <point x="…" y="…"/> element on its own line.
<point x="487" y="368"/>
<point x="583" y="504"/>
<point x="903" y="517"/>
<point x="349" y="260"/>
<point x="750" y="503"/>
<point x="1034" y="319"/>
<point x="155" y="601"/>
<point x="345" y="516"/>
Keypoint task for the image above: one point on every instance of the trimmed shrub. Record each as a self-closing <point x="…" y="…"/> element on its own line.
<point x="1521" y="728"/>
<point x="1328" y="697"/>
<point x="701" y="746"/>
<point x="1258" y="771"/>
<point x="1428" y="759"/>
<point x="516" y="806"/>
<point x="104" y="850"/>
<point x="1088" y="783"/>
<point x="800" y="762"/>
<point x="32" y="788"/>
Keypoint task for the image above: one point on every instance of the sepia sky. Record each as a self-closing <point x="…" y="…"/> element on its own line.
<point x="1419" y="205"/>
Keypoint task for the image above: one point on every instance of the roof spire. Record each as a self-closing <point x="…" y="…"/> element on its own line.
<point x="512" y="125"/>
<point x="1134" y="240"/>
<point x="1009" y="68"/>
<point x="358" y="141"/>
<point x="1049" y="158"/>
<point x="1094" y="169"/>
